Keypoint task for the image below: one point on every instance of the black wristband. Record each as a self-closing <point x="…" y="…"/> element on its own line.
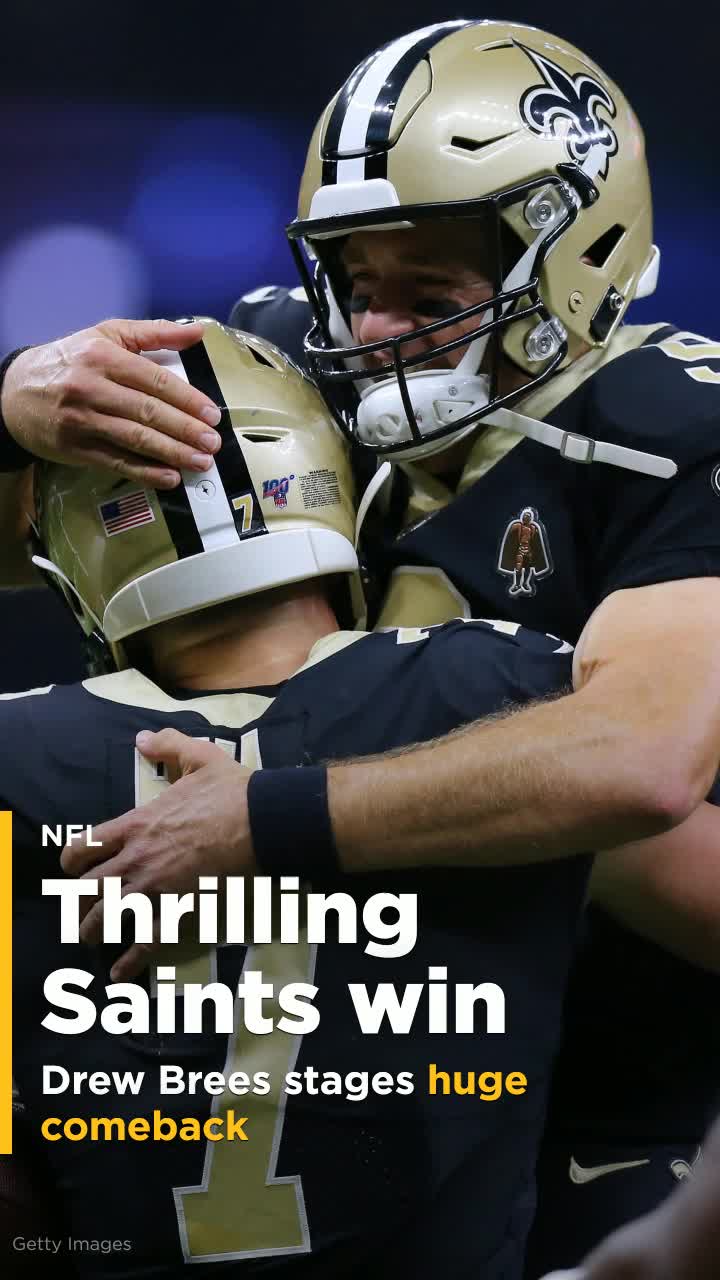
<point x="290" y="823"/>
<point x="12" y="455"/>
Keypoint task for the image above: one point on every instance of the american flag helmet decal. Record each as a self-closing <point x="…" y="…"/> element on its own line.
<point x="126" y="512"/>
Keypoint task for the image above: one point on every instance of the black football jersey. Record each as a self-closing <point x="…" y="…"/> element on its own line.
<point x="641" y="1050"/>
<point x="531" y="536"/>
<point x="324" y="1186"/>
<point x="640" y="1054"/>
<point x="527" y="534"/>
<point x="546" y="539"/>
<point x="30" y="615"/>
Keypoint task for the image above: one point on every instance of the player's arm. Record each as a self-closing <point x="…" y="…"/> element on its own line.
<point x="629" y="754"/>
<point x="90" y="399"/>
<point x="668" y="889"/>
<point x="16" y="568"/>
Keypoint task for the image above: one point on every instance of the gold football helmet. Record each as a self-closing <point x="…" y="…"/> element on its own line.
<point x="275" y="507"/>
<point x="497" y="122"/>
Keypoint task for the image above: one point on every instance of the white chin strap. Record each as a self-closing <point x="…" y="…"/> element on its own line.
<point x="50" y="567"/>
<point x="438" y="396"/>
<point x="374" y="487"/>
<point x="578" y="448"/>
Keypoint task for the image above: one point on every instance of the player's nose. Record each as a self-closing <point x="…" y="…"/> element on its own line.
<point x="383" y="322"/>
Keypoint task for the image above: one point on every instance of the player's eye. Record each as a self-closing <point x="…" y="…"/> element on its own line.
<point x="359" y="302"/>
<point x="436" y="308"/>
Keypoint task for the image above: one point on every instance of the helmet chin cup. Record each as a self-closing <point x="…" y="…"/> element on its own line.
<point x="437" y="396"/>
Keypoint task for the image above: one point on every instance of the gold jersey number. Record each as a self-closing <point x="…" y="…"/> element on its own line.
<point x="692" y="347"/>
<point x="241" y="1208"/>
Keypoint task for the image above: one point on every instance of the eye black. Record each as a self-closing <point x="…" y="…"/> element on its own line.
<point x="436" y="308"/>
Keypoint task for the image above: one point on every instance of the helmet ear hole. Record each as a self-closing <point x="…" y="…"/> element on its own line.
<point x="600" y="250"/>
<point x="263" y="355"/>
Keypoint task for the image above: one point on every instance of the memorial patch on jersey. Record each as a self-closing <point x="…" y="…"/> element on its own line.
<point x="127" y="512"/>
<point x="524" y="554"/>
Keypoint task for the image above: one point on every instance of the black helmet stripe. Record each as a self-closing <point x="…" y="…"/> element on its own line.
<point x="175" y="506"/>
<point x="361" y="120"/>
<point x="231" y="468"/>
<point x="331" y="141"/>
<point x="230" y="459"/>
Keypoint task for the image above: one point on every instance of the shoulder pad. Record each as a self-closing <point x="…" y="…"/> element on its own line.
<point x="280" y="315"/>
<point x="273" y="293"/>
<point x="662" y="397"/>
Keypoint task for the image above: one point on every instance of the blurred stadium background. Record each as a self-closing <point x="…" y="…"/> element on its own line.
<point x="151" y="153"/>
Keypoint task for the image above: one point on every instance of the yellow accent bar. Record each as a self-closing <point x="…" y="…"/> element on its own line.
<point x="5" y="983"/>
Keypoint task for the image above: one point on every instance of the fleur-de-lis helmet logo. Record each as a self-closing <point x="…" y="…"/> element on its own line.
<point x="567" y="106"/>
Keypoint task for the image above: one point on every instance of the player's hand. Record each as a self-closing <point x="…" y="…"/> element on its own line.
<point x="197" y="827"/>
<point x="91" y="399"/>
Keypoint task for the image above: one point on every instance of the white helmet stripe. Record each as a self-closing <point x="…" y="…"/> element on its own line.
<point x="207" y="499"/>
<point x="373" y="90"/>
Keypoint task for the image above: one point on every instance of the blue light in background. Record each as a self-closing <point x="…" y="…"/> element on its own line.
<point x="60" y="278"/>
<point x="685" y="232"/>
<point x="188" y="211"/>
<point x="210" y="208"/>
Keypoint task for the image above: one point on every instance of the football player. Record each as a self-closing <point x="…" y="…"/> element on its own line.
<point x="632" y="1097"/>
<point x="507" y="252"/>
<point x="221" y="592"/>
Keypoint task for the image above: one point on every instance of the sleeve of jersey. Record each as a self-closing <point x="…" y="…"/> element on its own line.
<point x="12" y="455"/>
<point x="481" y="668"/>
<point x="466" y="671"/>
<point x="281" y="316"/>
<point x="22" y="762"/>
<point x="50" y="762"/>
<point x="650" y="530"/>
